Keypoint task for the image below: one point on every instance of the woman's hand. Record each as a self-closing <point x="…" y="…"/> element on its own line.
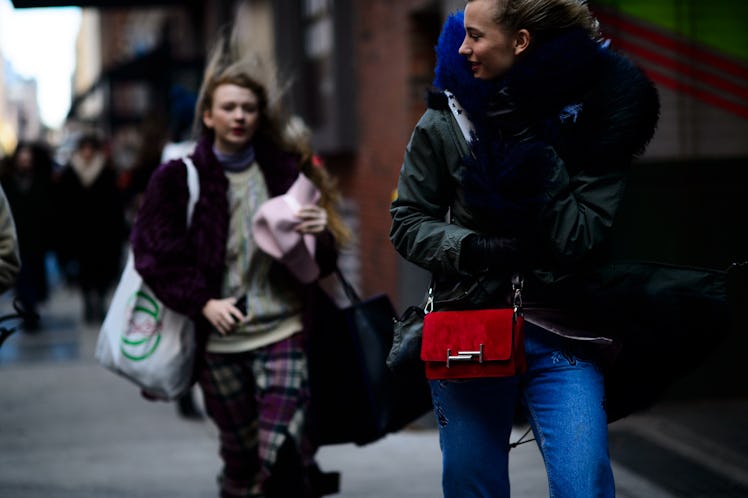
<point x="480" y="253"/>
<point x="313" y="219"/>
<point x="223" y="314"/>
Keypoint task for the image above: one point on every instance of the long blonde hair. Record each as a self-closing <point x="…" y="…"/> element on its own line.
<point x="231" y="62"/>
<point x="298" y="137"/>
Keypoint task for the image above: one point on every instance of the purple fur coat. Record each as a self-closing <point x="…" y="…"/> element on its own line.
<point x="185" y="267"/>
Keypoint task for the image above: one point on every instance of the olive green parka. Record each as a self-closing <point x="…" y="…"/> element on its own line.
<point x="583" y="183"/>
<point x="591" y="112"/>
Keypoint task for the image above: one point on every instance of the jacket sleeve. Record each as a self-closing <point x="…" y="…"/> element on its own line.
<point x="420" y="231"/>
<point x="10" y="262"/>
<point x="580" y="210"/>
<point x="160" y="244"/>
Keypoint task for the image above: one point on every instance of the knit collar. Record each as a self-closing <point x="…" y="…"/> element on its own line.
<point x="239" y="161"/>
<point x="279" y="168"/>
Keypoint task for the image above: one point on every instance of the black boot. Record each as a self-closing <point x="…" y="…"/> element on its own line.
<point x="186" y="407"/>
<point x="290" y="479"/>
<point x="323" y="483"/>
<point x="287" y="478"/>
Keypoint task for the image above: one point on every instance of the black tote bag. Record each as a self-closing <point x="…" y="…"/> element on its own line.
<point x="355" y="397"/>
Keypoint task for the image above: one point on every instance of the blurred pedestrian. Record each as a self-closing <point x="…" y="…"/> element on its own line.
<point x="132" y="181"/>
<point x="90" y="224"/>
<point x="182" y="116"/>
<point x="10" y="260"/>
<point x="249" y="307"/>
<point x="27" y="182"/>
<point x="528" y="184"/>
<point x="161" y="140"/>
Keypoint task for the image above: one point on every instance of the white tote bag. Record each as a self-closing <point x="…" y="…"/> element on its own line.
<point x="143" y="340"/>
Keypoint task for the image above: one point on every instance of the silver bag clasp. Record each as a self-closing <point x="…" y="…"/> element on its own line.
<point x="465" y="355"/>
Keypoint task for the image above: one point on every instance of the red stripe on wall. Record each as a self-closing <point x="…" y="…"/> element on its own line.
<point x="689" y="50"/>
<point x="696" y="92"/>
<point x="705" y="77"/>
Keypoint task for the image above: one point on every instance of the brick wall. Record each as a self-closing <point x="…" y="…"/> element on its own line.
<point x="392" y="70"/>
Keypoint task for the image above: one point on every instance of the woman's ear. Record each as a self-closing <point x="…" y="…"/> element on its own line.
<point x="521" y="41"/>
<point x="207" y="119"/>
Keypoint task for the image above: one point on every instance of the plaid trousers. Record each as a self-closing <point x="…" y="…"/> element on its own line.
<point x="258" y="400"/>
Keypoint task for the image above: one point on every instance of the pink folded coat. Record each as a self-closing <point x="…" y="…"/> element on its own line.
<point x="274" y="231"/>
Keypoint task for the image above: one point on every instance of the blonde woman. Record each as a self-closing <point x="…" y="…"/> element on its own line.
<point x="250" y="309"/>
<point x="532" y="185"/>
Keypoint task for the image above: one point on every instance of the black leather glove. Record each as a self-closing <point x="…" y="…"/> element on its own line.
<point x="481" y="253"/>
<point x="504" y="114"/>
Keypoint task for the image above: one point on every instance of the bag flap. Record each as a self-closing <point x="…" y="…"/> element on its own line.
<point x="461" y="331"/>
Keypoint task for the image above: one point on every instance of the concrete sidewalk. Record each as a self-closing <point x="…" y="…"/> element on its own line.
<point x="69" y="428"/>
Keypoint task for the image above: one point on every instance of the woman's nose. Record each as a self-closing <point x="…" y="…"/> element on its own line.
<point x="464" y="49"/>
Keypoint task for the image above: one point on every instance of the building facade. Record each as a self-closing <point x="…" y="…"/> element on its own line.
<point x="357" y="72"/>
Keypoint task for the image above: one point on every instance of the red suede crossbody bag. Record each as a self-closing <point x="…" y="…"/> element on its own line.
<point x="475" y="343"/>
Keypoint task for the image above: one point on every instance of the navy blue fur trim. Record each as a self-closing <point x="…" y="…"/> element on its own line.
<point x="586" y="101"/>
<point x="453" y="70"/>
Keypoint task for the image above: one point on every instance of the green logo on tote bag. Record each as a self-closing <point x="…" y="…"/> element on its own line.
<point x="142" y="333"/>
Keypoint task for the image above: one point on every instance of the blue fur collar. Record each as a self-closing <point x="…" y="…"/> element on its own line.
<point x="546" y="86"/>
<point x="453" y="70"/>
<point x="570" y="61"/>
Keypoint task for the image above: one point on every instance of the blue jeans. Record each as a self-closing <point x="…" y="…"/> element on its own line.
<point x="562" y="395"/>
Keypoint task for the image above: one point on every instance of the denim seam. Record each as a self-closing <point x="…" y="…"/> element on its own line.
<point x="539" y="439"/>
